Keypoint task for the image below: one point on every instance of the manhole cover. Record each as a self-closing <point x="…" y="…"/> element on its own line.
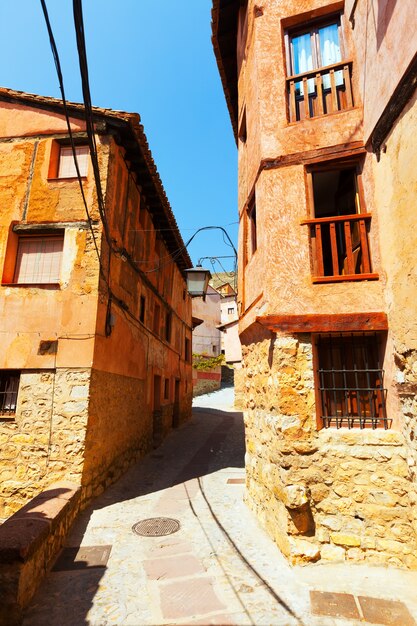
<point x="156" y="527"/>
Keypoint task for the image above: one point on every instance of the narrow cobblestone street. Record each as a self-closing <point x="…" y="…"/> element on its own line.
<point x="220" y="567"/>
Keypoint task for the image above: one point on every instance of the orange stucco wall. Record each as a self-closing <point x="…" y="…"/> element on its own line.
<point x="282" y="193"/>
<point x="384" y="36"/>
<point x="32" y="314"/>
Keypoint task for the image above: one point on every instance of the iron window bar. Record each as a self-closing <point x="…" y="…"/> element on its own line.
<point x="351" y="382"/>
<point x="9" y="387"/>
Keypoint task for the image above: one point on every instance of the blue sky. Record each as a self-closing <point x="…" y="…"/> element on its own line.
<point x="154" y="57"/>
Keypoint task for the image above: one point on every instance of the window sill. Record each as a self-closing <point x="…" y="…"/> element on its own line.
<point x="8" y="417"/>
<point x="345" y="277"/>
<point x="366" y="436"/>
<point x="66" y="179"/>
<point x="320" y="117"/>
<point x="36" y="285"/>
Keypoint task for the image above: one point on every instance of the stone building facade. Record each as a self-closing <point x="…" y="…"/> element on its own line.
<point x="323" y="105"/>
<point x="95" y="360"/>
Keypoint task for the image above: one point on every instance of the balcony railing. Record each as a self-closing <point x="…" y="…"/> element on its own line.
<point x="340" y="248"/>
<point x="320" y="91"/>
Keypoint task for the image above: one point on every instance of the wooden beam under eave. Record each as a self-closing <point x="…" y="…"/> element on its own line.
<point x="322" y="323"/>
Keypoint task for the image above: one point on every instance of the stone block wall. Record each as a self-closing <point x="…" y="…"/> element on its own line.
<point x="29" y="542"/>
<point x="119" y="429"/>
<point x="206" y="382"/>
<point x="321" y="494"/>
<point x="45" y="442"/>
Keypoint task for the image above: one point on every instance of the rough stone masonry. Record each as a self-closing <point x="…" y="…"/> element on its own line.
<point x="330" y="494"/>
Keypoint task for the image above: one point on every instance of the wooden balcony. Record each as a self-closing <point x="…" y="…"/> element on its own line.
<point x="320" y="91"/>
<point x="340" y="248"/>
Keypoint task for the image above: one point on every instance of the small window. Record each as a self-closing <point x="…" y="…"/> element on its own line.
<point x="156" y="319"/>
<point x="351" y="381"/>
<point x="142" y="309"/>
<point x="187" y="355"/>
<point x="243" y="135"/>
<point x="214" y="349"/>
<point x="168" y="326"/>
<point x="39" y="259"/>
<point x="230" y="311"/>
<point x="9" y="387"/>
<point x="66" y="168"/>
<point x="166" y="389"/>
<point x="253" y="236"/>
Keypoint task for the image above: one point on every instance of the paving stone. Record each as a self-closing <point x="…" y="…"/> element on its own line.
<point x="170" y="507"/>
<point x="173" y="567"/>
<point x="215" y="620"/>
<point x="387" y="612"/>
<point x="334" y="604"/>
<point x="167" y="549"/>
<point x="82" y="557"/>
<point x="196" y="597"/>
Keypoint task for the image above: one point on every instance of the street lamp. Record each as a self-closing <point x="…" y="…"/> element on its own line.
<point x="197" y="281"/>
<point x="197" y="277"/>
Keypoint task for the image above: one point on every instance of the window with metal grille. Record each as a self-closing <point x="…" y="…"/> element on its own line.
<point x="39" y="259"/>
<point x="9" y="387"/>
<point x="351" y="381"/>
<point x="66" y="168"/>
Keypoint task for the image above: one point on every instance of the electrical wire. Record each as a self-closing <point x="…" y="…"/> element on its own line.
<point x="89" y="119"/>
<point x="66" y="113"/>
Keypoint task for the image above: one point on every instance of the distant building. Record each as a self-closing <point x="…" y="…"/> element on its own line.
<point x="95" y="365"/>
<point x="206" y="340"/>
<point x="229" y="328"/>
<point x="323" y="104"/>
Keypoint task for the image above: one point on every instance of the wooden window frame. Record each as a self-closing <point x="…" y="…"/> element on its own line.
<point x="10" y="271"/>
<point x="55" y="158"/>
<point x="252" y="233"/>
<point x="168" y="326"/>
<point x="187" y="350"/>
<point x="142" y="309"/>
<point x="362" y="216"/>
<point x="9" y="396"/>
<point x="167" y="388"/>
<point x="312" y="27"/>
<point x="353" y="421"/>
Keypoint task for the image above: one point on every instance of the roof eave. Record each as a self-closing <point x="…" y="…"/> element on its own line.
<point x="226" y="62"/>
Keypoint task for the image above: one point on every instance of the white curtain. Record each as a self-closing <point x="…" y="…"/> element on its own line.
<point x="330" y="52"/>
<point x="302" y="59"/>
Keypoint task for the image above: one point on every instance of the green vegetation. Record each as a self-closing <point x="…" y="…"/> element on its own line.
<point x="204" y="362"/>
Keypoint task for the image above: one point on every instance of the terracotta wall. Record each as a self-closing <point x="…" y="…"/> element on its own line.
<point x="88" y="431"/>
<point x="384" y="39"/>
<point x="27" y="195"/>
